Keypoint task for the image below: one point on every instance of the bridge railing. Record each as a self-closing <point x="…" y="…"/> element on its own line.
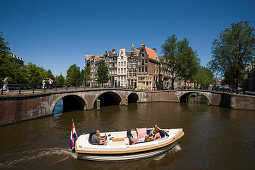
<point x="34" y="88"/>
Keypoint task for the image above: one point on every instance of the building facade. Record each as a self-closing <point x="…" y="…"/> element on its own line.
<point x="132" y="69"/>
<point x="122" y="68"/>
<point x="147" y="67"/>
<point x="140" y="68"/>
<point x="17" y="59"/>
<point x="110" y="58"/>
<point x="90" y="61"/>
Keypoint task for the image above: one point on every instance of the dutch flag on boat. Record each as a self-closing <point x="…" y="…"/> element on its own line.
<point x="72" y="137"/>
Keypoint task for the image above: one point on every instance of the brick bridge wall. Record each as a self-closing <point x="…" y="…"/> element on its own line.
<point x="24" y="107"/>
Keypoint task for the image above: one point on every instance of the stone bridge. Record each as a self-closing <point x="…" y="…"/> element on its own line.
<point x="214" y="98"/>
<point x="16" y="108"/>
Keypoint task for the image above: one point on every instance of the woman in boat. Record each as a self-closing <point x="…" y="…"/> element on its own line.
<point x="155" y="132"/>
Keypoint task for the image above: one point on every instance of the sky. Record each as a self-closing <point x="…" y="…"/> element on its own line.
<point x="55" y="34"/>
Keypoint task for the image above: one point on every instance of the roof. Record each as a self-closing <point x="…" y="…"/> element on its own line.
<point x="152" y="54"/>
<point x="96" y="57"/>
<point x="137" y="51"/>
<point x="88" y="56"/>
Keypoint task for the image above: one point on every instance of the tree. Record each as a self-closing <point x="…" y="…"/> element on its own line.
<point x="233" y="52"/>
<point x="35" y="74"/>
<point x="73" y="76"/>
<point x="59" y="80"/>
<point x="182" y="61"/>
<point x="9" y="68"/>
<point x="50" y="75"/>
<point x="203" y="77"/>
<point x="4" y="49"/>
<point x="17" y="73"/>
<point x="82" y="76"/>
<point x="102" y="73"/>
<point x="190" y="62"/>
<point x="87" y="75"/>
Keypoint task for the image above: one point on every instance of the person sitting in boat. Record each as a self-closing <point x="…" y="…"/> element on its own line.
<point x="97" y="139"/>
<point x="154" y="134"/>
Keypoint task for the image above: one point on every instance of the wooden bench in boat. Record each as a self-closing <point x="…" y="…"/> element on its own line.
<point x="118" y="139"/>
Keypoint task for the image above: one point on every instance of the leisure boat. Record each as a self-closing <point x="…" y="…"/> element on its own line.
<point x="120" y="145"/>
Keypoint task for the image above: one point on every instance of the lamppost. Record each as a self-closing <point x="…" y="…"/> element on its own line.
<point x="235" y="86"/>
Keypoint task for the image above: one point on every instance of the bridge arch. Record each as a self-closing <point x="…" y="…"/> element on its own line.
<point x="183" y="96"/>
<point x="71" y="102"/>
<point x="133" y="98"/>
<point x="108" y="98"/>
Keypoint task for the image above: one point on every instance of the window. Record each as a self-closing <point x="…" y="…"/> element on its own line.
<point x="146" y="61"/>
<point x="124" y="70"/>
<point x="118" y="70"/>
<point x="121" y="63"/>
<point x="139" y="69"/>
<point x="124" y="63"/>
<point x="121" y="70"/>
<point x="142" y="69"/>
<point x="146" y="69"/>
<point x="118" y="63"/>
<point x="142" y="62"/>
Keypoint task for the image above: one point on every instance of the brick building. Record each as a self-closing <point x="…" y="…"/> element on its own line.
<point x="147" y="68"/>
<point x="110" y="58"/>
<point x="139" y="68"/>
<point x="90" y="61"/>
<point x="17" y="59"/>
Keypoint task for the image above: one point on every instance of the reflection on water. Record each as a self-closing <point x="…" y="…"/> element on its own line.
<point x="175" y="149"/>
<point x="215" y="138"/>
<point x="58" y="109"/>
<point x="197" y="99"/>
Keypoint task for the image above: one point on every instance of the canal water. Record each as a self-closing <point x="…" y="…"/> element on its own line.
<point x="215" y="138"/>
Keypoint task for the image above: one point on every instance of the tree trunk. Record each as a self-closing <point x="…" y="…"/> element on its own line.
<point x="172" y="83"/>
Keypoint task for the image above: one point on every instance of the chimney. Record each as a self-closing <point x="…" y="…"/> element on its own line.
<point x="155" y="50"/>
<point x="143" y="46"/>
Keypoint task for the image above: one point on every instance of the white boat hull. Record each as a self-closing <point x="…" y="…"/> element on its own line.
<point x="126" y="157"/>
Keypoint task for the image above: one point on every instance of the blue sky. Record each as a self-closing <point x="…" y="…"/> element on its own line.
<point x="55" y="34"/>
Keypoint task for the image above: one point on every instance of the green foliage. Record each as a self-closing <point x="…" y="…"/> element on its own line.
<point x="82" y="76"/>
<point x="233" y="52"/>
<point x="35" y="74"/>
<point x="204" y="77"/>
<point x="11" y="69"/>
<point x="87" y="75"/>
<point x="102" y="73"/>
<point x="50" y="75"/>
<point x="189" y="61"/>
<point x="73" y="76"/>
<point x="18" y="74"/>
<point x="180" y="57"/>
<point x="60" y="80"/>
<point x="4" y="49"/>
